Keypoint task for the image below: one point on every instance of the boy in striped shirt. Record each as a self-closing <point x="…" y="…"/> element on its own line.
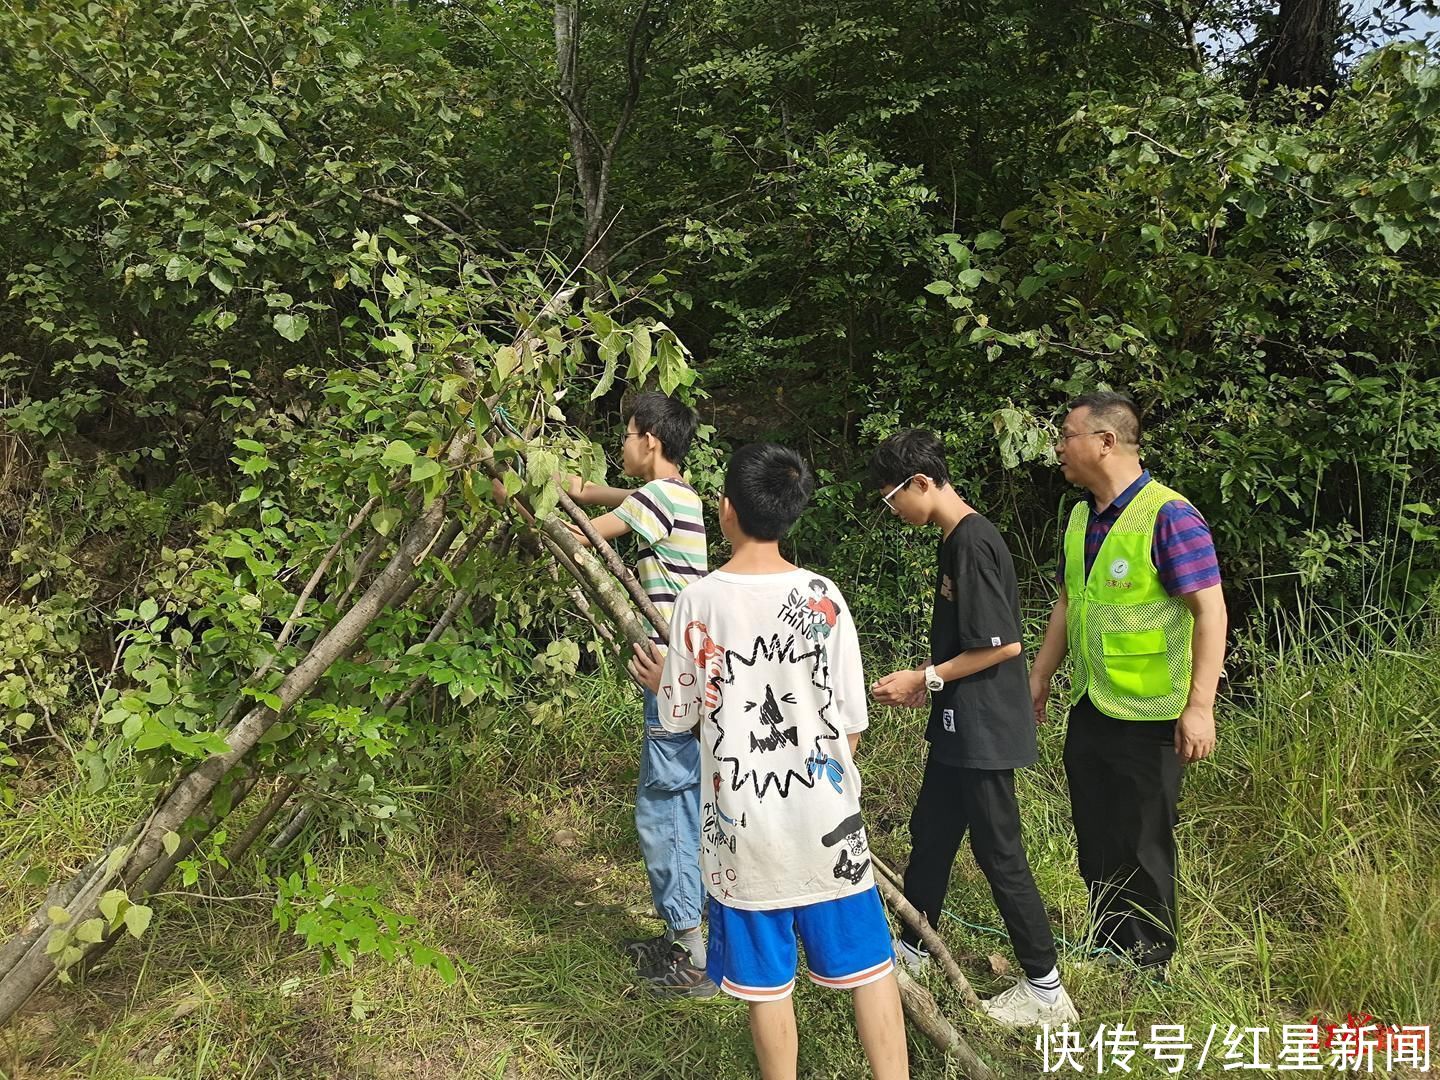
<point x="665" y="515"/>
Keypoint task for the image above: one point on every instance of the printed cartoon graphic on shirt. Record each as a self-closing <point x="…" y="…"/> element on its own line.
<point x="716" y="820"/>
<point x="947" y="587"/>
<point x="815" y="615"/>
<point x="825" y="611"/>
<point x="750" y="718"/>
<point x="723" y="879"/>
<point x="854" y="857"/>
<point x="709" y="658"/>
<point x="772" y="718"/>
<point x="820" y="762"/>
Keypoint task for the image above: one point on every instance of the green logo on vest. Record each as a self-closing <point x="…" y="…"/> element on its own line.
<point x="1119" y="571"/>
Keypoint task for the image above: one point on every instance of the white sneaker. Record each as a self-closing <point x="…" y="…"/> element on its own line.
<point x="912" y="958"/>
<point x="1019" y="1007"/>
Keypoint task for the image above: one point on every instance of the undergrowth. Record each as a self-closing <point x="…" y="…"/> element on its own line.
<point x="1310" y="889"/>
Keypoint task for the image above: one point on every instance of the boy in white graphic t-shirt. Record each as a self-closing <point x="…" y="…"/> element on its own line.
<point x="765" y="661"/>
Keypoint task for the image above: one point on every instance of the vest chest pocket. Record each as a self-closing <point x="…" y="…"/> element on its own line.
<point x="1136" y="662"/>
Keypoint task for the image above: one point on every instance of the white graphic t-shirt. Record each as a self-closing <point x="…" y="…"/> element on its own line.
<point x="770" y="666"/>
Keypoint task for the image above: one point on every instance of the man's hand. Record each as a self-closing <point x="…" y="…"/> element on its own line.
<point x="1195" y="733"/>
<point x="904" y="688"/>
<point x="646" y="667"/>
<point x="1039" y="696"/>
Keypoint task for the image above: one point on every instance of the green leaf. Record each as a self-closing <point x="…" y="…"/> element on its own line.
<point x="171" y="842"/>
<point x="640" y="345"/>
<point x="423" y="469"/>
<point x="607" y="379"/>
<point x="444" y="968"/>
<point x="541" y="465"/>
<point x="1317" y="231"/>
<point x="110" y="904"/>
<point x="155" y="734"/>
<point x="970" y="278"/>
<point x="940" y="288"/>
<point x="137" y="919"/>
<point x="989" y="240"/>
<point x="90" y="931"/>
<point x="225" y="320"/>
<point x="398" y="454"/>
<point x="116" y="859"/>
<point x="385" y="520"/>
<point x="148" y="609"/>
<point x="1394" y="236"/>
<point x="221" y="279"/>
<point x="57" y="915"/>
<point x="402" y="342"/>
<point x="291" y="327"/>
<point x="505" y="362"/>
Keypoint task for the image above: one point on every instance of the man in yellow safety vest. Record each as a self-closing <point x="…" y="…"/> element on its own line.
<point x="1142" y="616"/>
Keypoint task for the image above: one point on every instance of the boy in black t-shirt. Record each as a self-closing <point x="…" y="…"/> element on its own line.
<point x="981" y="729"/>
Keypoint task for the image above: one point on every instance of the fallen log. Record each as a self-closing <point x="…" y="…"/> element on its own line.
<point x="921" y="1010"/>
<point x="906" y="912"/>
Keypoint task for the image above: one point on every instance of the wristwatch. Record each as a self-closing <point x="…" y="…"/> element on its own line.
<point x="933" y="681"/>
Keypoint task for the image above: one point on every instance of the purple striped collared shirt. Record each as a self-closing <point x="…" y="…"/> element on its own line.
<point x="1183" y="550"/>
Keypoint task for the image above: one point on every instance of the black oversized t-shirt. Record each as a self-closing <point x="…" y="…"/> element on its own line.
<point x="983" y="721"/>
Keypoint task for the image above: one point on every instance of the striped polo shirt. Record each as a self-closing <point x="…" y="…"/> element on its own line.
<point x="667" y="517"/>
<point x="1182" y="549"/>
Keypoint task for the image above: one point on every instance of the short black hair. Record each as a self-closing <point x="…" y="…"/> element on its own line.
<point x="669" y="419"/>
<point x="909" y="453"/>
<point x="1118" y="412"/>
<point x="769" y="486"/>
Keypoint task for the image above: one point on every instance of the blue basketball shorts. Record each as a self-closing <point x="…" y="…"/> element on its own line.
<point x="753" y="955"/>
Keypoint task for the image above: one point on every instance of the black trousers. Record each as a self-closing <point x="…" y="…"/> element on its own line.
<point x="953" y="800"/>
<point x="1124" y="796"/>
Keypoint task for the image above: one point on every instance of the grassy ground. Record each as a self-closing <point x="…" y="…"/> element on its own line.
<point x="1311" y="887"/>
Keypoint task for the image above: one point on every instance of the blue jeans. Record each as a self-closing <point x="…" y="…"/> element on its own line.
<point x="667" y="817"/>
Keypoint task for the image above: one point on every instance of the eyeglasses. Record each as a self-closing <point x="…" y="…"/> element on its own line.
<point x="896" y="490"/>
<point x="1060" y="440"/>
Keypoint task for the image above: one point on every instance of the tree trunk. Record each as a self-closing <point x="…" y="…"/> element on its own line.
<point x="1300" y="52"/>
<point x="594" y="157"/>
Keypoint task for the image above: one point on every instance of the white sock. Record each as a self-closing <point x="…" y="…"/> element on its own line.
<point x="1046" y="987"/>
<point x="917" y="951"/>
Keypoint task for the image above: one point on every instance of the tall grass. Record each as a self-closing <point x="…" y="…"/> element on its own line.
<point x="1310" y="887"/>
